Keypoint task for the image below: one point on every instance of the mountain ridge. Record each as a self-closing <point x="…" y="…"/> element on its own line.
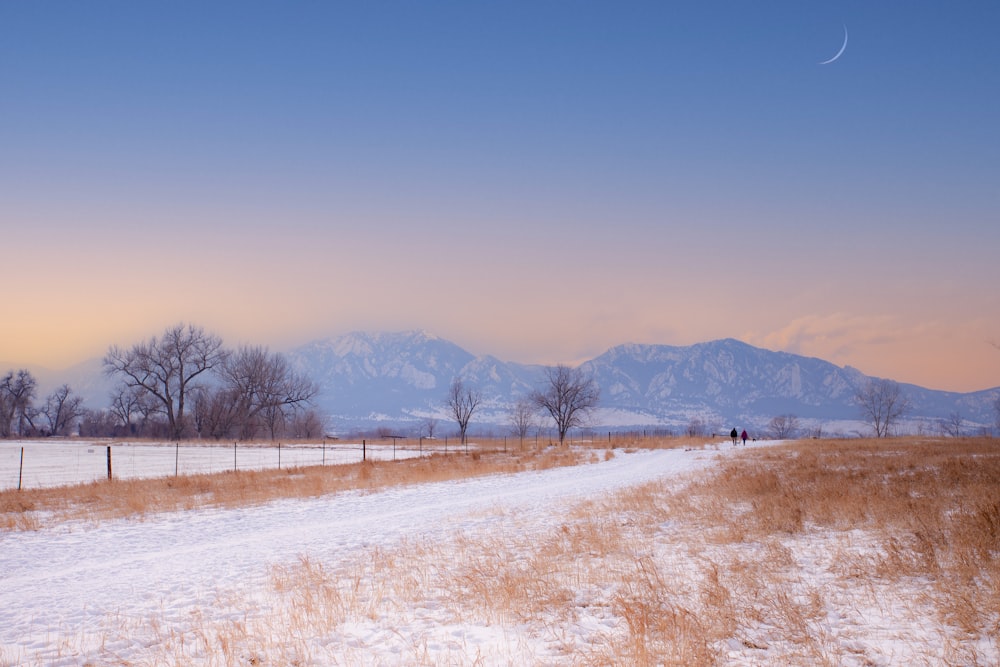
<point x="400" y="379"/>
<point x="664" y="386"/>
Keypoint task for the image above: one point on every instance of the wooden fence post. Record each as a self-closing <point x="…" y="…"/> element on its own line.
<point x="109" y="462"/>
<point x="20" y="470"/>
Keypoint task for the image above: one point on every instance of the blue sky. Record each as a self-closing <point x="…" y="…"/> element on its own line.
<point x="535" y="180"/>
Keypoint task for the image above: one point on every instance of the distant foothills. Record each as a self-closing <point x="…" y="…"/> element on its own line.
<point x="399" y="382"/>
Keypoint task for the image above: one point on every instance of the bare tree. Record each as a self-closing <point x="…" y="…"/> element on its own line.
<point x="882" y="403"/>
<point x="307" y="424"/>
<point x="569" y="397"/>
<point x="429" y="426"/>
<point x="17" y="393"/>
<point x="132" y="407"/>
<point x="695" y="428"/>
<point x="462" y="401"/>
<point x="783" y="427"/>
<point x="217" y="413"/>
<point x="98" y="423"/>
<point x="167" y="368"/>
<point x="522" y="417"/>
<point x="953" y="426"/>
<point x="265" y="388"/>
<point x="61" y="409"/>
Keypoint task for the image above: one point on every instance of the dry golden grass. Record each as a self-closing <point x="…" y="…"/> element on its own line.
<point x="740" y="565"/>
<point x="931" y="507"/>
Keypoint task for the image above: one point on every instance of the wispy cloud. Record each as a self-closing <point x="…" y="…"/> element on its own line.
<point x="840" y="336"/>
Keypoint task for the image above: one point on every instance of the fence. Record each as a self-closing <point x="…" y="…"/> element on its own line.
<point x="45" y="463"/>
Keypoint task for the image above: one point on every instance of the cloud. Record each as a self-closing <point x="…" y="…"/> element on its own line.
<point x="838" y="336"/>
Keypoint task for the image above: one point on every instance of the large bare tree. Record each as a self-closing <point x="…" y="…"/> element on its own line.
<point x="882" y="403"/>
<point x="463" y="401"/>
<point x="569" y="397"/>
<point x="265" y="388"/>
<point x="17" y="392"/>
<point x="167" y="367"/>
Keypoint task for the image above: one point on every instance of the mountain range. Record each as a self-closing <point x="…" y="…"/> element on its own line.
<point x="400" y="380"/>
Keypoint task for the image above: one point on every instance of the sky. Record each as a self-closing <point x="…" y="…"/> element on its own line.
<point x="538" y="180"/>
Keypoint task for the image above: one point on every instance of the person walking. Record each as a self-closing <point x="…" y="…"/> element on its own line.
<point x="744" y="436"/>
<point x="733" y="435"/>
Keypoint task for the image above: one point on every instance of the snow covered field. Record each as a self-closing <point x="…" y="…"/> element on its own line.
<point x="216" y="586"/>
<point x="59" y="462"/>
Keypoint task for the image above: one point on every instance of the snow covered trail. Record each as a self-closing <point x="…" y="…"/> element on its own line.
<point x="65" y="580"/>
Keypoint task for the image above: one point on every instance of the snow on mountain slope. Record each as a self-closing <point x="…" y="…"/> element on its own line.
<point x="404" y="377"/>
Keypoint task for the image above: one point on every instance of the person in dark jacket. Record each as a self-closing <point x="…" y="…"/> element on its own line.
<point x="734" y="436"/>
<point x="744" y="436"/>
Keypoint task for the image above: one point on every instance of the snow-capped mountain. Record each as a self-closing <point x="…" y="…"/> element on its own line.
<point x="733" y="379"/>
<point x="403" y="378"/>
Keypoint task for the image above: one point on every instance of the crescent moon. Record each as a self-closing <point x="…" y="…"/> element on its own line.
<point x="839" y="53"/>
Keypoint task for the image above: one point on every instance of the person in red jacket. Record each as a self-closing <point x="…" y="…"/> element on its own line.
<point x="744" y="436"/>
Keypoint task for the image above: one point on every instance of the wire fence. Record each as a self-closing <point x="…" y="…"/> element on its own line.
<point x="47" y="463"/>
<point x="32" y="464"/>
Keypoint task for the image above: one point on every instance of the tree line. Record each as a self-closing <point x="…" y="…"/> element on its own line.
<point x="184" y="383"/>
